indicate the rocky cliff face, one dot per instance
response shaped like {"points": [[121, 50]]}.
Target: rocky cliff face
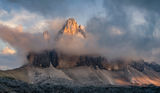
{"points": [[72, 28], [43, 59], [60, 60], [89, 70], [56, 67]]}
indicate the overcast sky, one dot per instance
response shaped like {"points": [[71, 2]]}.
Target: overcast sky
{"points": [[32, 15], [128, 28]]}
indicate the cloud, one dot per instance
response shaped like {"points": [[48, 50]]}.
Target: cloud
{"points": [[8, 50], [152, 6], [24, 20], [81, 10], [75, 45], [53, 8], [2, 12], [24, 42], [129, 29], [21, 40], [47, 7], [56, 24]]}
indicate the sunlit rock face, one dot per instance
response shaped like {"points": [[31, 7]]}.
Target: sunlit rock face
{"points": [[72, 28]]}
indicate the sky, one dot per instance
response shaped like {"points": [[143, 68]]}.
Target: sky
{"points": [[123, 28], [32, 15]]}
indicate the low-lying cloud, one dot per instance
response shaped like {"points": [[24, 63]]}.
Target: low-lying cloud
{"points": [[25, 42]]}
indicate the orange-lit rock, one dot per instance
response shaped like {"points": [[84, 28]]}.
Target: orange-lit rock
{"points": [[72, 28]]}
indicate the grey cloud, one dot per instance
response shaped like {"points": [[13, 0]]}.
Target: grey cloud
{"points": [[22, 41], [53, 8], [25, 42], [131, 40], [151, 5], [116, 31], [44, 7]]}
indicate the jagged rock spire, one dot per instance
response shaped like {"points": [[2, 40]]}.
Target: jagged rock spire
{"points": [[72, 28]]}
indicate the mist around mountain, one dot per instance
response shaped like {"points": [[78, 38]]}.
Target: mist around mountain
{"points": [[73, 68]]}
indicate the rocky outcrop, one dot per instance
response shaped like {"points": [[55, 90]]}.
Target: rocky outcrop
{"points": [[61, 67], [45, 58], [72, 28], [141, 66], [91, 61]]}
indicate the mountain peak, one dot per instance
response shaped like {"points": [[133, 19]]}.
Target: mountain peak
{"points": [[72, 28]]}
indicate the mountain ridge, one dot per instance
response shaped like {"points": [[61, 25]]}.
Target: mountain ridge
{"points": [[56, 67], [86, 75]]}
